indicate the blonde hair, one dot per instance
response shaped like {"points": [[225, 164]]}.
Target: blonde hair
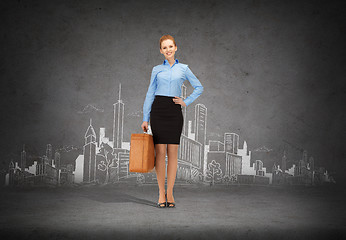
{"points": [[165, 37]]}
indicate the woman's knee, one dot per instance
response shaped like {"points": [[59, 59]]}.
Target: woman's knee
{"points": [[160, 150]]}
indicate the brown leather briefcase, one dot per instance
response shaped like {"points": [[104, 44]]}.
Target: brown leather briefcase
{"points": [[142, 153]]}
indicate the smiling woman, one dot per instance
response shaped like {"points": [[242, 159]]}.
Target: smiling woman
{"points": [[163, 106]]}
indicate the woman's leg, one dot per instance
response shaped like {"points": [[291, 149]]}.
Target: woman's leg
{"points": [[160, 168], [172, 153]]}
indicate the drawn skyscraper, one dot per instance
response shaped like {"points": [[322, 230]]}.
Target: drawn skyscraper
{"points": [[200, 123], [23, 159], [201, 131], [89, 152], [102, 136], [57, 160], [49, 154], [183, 96], [11, 173], [305, 157], [259, 168], [247, 169], [118, 122], [231, 142], [302, 163]]}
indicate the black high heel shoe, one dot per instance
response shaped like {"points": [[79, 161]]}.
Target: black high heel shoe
{"points": [[169, 204], [164, 204]]}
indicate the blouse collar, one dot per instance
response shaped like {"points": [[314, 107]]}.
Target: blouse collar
{"points": [[166, 62]]}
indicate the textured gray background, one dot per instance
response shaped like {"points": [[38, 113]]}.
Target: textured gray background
{"points": [[273, 71]]}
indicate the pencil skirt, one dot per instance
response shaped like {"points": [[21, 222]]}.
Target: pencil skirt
{"points": [[166, 120]]}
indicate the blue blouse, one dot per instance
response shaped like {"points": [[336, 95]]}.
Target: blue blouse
{"points": [[167, 81]]}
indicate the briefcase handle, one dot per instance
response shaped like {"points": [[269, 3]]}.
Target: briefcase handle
{"points": [[147, 132]]}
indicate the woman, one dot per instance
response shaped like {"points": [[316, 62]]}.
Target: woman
{"points": [[162, 106]]}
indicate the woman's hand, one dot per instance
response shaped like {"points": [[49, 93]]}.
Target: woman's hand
{"points": [[145, 126], [179, 100]]}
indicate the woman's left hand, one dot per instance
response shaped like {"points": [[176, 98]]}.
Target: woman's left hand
{"points": [[179, 100]]}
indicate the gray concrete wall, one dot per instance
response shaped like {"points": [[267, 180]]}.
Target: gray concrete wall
{"points": [[273, 71]]}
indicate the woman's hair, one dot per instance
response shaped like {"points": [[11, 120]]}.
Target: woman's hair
{"points": [[165, 37]]}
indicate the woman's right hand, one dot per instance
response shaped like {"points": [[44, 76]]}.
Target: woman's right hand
{"points": [[145, 126]]}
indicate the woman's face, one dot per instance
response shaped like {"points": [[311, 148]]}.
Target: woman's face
{"points": [[168, 49]]}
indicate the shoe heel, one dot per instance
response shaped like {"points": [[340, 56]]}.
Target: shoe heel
{"points": [[164, 203], [168, 204]]}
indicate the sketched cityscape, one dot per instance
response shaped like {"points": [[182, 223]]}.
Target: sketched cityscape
{"points": [[105, 160]]}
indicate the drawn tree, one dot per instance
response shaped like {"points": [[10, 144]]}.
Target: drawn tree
{"points": [[214, 172], [107, 163]]}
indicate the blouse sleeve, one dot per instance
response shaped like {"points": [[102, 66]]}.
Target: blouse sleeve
{"points": [[150, 96], [196, 84]]}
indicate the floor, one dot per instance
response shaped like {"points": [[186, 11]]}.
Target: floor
{"points": [[202, 212]]}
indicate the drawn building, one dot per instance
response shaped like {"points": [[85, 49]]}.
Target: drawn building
{"points": [[46, 174], [11, 179], [89, 152], [259, 168], [49, 154], [230, 163], [57, 161], [201, 130], [189, 158], [216, 146], [255, 174], [40, 173], [246, 160], [303, 174], [23, 159], [66, 174], [118, 122], [231, 142], [279, 174], [123, 163], [233, 164]]}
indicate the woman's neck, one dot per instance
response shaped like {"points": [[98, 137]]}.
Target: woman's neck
{"points": [[170, 61]]}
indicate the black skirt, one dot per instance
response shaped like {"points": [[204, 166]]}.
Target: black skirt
{"points": [[166, 120]]}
